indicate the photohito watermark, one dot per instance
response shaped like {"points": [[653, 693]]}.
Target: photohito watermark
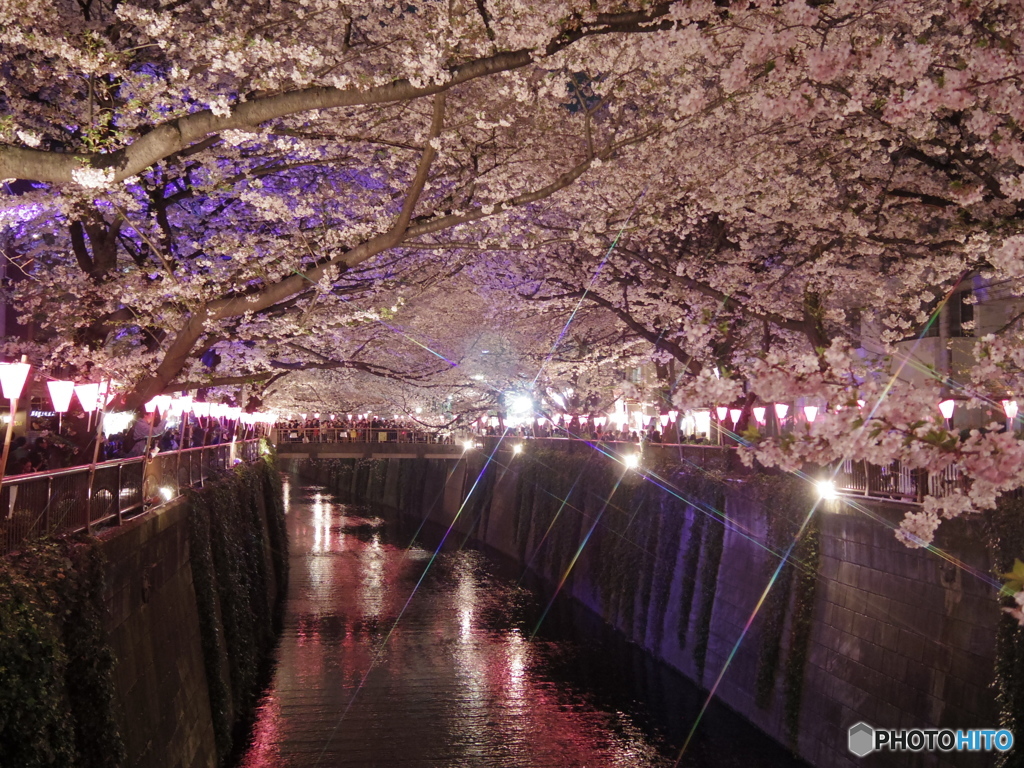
{"points": [[864, 739]]}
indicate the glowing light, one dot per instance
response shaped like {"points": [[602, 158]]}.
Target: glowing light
{"points": [[811, 412], [1010, 409], [826, 490], [167, 493], [517, 448], [673, 415], [759, 413], [734, 414], [632, 460], [61, 393], [664, 420], [116, 422], [722, 412], [781, 409], [88, 396], [860, 405], [12, 378], [467, 445], [946, 408], [419, 410], [520, 405], [702, 422]]}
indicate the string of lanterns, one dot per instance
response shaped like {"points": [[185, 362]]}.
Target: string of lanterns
{"points": [[726, 414]]}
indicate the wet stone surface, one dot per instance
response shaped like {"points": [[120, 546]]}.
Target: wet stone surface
{"points": [[392, 656]]}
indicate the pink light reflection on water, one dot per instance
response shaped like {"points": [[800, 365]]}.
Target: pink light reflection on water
{"points": [[456, 683]]}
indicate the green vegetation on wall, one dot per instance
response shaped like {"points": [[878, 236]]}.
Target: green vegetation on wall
{"points": [[1007, 544], [783, 498], [807, 557], [235, 581], [56, 684]]}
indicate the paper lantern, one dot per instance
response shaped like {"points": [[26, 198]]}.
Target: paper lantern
{"points": [[946, 408], [781, 409], [12, 378], [1010, 409], [722, 412], [759, 412], [88, 396], [61, 393], [811, 412], [734, 415]]}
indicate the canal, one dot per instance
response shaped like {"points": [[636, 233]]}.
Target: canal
{"points": [[394, 656]]}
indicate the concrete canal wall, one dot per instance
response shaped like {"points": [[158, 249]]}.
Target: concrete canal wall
{"points": [[152, 658], [856, 627]]}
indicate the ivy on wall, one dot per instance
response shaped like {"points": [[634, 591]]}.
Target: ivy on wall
{"points": [[56, 682], [1006, 537], [808, 557], [782, 498], [233, 567]]}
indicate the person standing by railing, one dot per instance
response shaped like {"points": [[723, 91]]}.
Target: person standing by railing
{"points": [[142, 433]]}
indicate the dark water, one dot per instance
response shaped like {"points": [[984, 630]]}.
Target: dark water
{"points": [[393, 657]]}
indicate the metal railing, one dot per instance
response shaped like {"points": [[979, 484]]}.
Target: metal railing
{"points": [[80, 498], [896, 482], [893, 482], [355, 435]]}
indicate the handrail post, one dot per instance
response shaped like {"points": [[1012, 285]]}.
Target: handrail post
{"points": [[120, 488], [49, 500]]}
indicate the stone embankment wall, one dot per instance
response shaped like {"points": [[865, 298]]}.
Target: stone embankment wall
{"points": [[855, 627], [152, 658]]}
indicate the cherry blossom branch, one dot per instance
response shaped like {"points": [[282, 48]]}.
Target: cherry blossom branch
{"points": [[177, 135]]}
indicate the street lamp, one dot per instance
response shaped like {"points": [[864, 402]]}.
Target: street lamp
{"points": [[827, 490]]}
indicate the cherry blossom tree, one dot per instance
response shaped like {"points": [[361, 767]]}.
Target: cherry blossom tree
{"points": [[215, 193]]}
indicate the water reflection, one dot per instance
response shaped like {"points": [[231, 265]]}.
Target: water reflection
{"points": [[380, 665]]}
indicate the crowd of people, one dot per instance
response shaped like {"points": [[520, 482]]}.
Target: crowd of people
{"points": [[343, 429], [73, 442], [376, 429]]}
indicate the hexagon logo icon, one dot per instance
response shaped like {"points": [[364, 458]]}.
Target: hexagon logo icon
{"points": [[861, 739]]}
